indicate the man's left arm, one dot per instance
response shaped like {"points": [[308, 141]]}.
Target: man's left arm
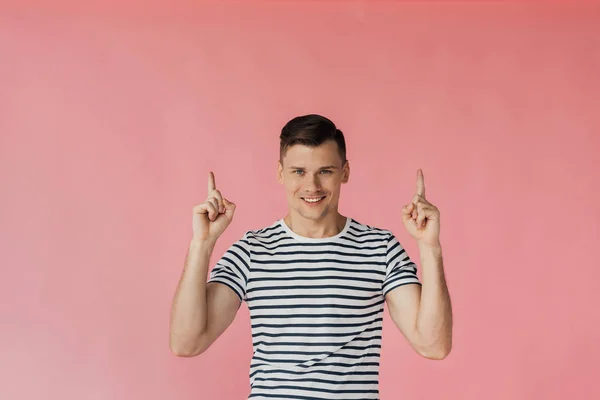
{"points": [[423, 313]]}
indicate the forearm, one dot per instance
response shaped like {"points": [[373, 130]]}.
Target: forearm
{"points": [[189, 309], [434, 318]]}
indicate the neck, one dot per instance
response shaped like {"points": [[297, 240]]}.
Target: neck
{"points": [[327, 226]]}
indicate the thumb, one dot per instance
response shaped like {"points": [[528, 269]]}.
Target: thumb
{"points": [[407, 209], [407, 212], [229, 208]]}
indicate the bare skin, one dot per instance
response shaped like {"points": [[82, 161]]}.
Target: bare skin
{"points": [[201, 312], [312, 179]]}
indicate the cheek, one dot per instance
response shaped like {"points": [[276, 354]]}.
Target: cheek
{"points": [[292, 186], [332, 184]]}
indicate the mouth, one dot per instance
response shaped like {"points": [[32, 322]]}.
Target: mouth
{"points": [[312, 201]]}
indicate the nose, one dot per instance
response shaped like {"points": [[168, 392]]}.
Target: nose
{"points": [[313, 184]]}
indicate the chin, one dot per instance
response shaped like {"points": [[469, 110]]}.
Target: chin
{"points": [[314, 214]]}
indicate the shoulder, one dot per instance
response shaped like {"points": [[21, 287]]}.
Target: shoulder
{"points": [[243, 247], [358, 228], [263, 235]]}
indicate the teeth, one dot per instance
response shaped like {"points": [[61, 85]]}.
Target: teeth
{"points": [[312, 200]]}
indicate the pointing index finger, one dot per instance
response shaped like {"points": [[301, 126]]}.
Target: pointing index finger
{"points": [[211, 182], [420, 183]]}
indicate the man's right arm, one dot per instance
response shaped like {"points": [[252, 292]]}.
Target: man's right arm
{"points": [[201, 311]]}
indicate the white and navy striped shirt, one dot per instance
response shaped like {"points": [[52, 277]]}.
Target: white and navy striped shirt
{"points": [[316, 307]]}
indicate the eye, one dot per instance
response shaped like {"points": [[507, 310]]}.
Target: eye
{"points": [[298, 172], [327, 172]]}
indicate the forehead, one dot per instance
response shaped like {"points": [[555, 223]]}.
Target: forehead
{"points": [[301, 155]]}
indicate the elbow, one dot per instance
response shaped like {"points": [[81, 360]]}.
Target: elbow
{"points": [[183, 352], [435, 351], [438, 353], [182, 349]]}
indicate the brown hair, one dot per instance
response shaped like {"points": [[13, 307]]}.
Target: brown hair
{"points": [[311, 130]]}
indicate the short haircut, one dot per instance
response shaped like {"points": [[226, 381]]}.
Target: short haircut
{"points": [[311, 130]]}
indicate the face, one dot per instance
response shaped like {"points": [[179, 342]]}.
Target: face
{"points": [[312, 177]]}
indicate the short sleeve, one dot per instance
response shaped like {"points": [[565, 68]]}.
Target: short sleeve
{"points": [[400, 269], [233, 268]]}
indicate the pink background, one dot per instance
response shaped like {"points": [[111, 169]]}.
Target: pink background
{"points": [[110, 119]]}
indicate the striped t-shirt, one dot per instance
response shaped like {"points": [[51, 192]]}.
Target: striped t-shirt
{"points": [[316, 307]]}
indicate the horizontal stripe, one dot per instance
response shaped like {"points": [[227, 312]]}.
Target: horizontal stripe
{"points": [[312, 306], [380, 246], [317, 260], [287, 270], [329, 344], [316, 253], [311, 389], [316, 307], [313, 287], [312, 371], [315, 334], [314, 278], [315, 325], [317, 296], [317, 353], [328, 364], [296, 397], [317, 315], [316, 380]]}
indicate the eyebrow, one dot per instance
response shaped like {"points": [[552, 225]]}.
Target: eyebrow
{"points": [[327, 167]]}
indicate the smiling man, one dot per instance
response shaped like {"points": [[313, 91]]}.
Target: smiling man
{"points": [[315, 281]]}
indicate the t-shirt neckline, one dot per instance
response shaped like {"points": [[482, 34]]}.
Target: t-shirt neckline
{"points": [[293, 234]]}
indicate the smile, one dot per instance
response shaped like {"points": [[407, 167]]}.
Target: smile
{"points": [[313, 200]]}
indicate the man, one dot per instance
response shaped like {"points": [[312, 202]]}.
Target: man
{"points": [[315, 281]]}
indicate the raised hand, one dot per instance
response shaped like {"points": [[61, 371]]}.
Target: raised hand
{"points": [[421, 218], [211, 218]]}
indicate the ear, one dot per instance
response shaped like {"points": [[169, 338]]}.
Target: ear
{"points": [[279, 172], [346, 172]]}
